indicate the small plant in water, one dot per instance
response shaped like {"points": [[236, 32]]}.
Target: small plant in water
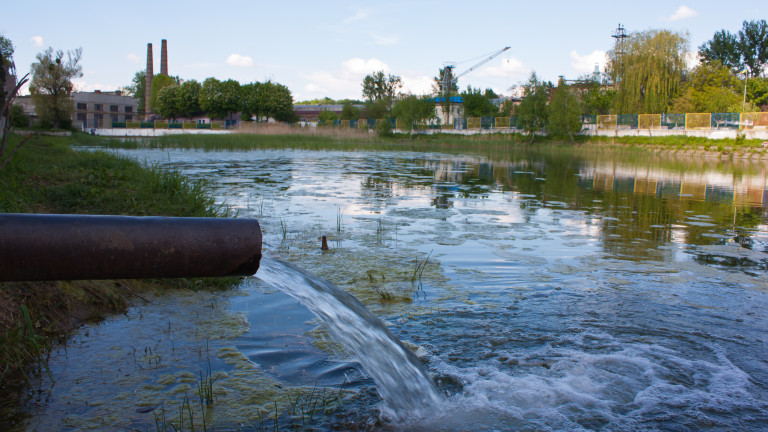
{"points": [[284, 229], [205, 386], [338, 220], [419, 270]]}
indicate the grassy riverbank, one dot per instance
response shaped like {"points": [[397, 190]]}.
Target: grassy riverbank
{"points": [[47, 176], [309, 140]]}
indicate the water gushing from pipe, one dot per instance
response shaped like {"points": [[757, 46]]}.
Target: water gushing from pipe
{"points": [[400, 379]]}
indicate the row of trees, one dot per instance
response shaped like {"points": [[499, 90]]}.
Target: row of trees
{"points": [[650, 75], [172, 98]]}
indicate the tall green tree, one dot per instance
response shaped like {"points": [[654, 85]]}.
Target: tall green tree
{"points": [[6, 72], [51, 85], [757, 93], [10, 114], [413, 110], [532, 112], [648, 70], [159, 82], [168, 101], [596, 98], [349, 111], [189, 94], [710, 87], [379, 87], [250, 96], [477, 104], [211, 98], [277, 102], [230, 94], [748, 49], [564, 117], [6, 51], [722, 48], [753, 40]]}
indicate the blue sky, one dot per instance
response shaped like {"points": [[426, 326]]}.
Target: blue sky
{"points": [[325, 48]]}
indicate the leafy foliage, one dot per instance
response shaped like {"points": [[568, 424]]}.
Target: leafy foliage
{"points": [[710, 87], [51, 85], [327, 117], [375, 110], [379, 87], [746, 50], [349, 111], [648, 72], [159, 82], [532, 111], [723, 48], [412, 110], [167, 104], [137, 88], [277, 102], [477, 104], [18, 118], [564, 119], [218, 99], [6, 52], [757, 92], [596, 98]]}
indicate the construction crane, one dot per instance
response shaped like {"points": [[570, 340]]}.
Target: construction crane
{"points": [[448, 78]]}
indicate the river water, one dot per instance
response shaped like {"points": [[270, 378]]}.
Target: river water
{"points": [[541, 291]]}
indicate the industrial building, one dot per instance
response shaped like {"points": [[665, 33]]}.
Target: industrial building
{"points": [[95, 109]]}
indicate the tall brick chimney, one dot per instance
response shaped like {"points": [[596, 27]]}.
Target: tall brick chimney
{"points": [[148, 83], [164, 57]]}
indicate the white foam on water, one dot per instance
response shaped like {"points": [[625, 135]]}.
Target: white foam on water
{"points": [[629, 386]]}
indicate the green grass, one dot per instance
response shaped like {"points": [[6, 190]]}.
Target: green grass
{"points": [[48, 176]]}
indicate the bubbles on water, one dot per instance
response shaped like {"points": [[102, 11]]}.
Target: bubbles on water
{"points": [[590, 380]]}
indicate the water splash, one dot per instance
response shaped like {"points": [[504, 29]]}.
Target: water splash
{"points": [[400, 379]]}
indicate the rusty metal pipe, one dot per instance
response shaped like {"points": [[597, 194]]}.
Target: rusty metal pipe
{"points": [[35, 247]]}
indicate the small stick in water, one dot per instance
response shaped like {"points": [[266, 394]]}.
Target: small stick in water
{"points": [[325, 244]]}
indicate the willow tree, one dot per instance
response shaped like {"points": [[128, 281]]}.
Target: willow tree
{"points": [[647, 69]]}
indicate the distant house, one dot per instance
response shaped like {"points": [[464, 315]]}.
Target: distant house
{"points": [[311, 113]]}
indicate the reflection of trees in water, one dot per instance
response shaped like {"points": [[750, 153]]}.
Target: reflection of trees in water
{"points": [[377, 192], [442, 200], [633, 216], [744, 264]]}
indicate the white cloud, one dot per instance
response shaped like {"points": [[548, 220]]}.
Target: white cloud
{"points": [[692, 59], [239, 61], [586, 63], [37, 40], [133, 58], [384, 40], [358, 66], [417, 85], [345, 82], [683, 12], [314, 88], [506, 67], [359, 15]]}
